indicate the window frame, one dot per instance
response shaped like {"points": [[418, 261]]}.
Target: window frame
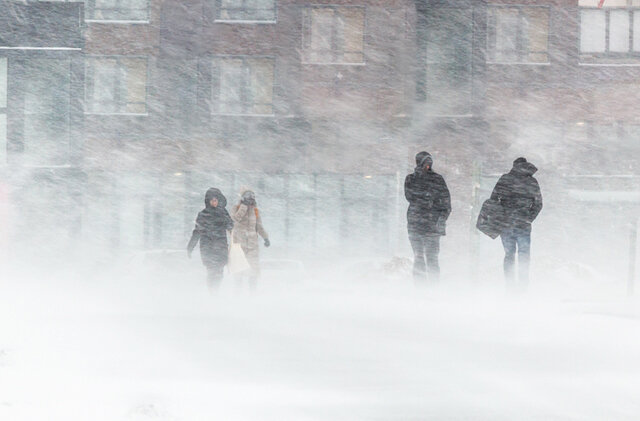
{"points": [[520, 51], [307, 25], [4, 61], [429, 65], [31, 147], [608, 54], [4, 137], [215, 87], [118, 58], [219, 9], [89, 10]]}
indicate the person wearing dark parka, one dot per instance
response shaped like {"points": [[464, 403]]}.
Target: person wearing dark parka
{"points": [[429, 208], [212, 225], [518, 192]]}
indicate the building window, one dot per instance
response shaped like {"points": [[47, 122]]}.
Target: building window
{"points": [[518, 34], [333, 35], [117, 10], [3, 84], [242, 85], [3, 110], [448, 52], [246, 10], [46, 86], [116, 85], [611, 31]]}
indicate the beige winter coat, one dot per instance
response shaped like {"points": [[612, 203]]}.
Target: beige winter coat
{"points": [[248, 224]]}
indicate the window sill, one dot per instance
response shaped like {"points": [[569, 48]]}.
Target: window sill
{"points": [[45, 166], [609, 64], [308, 63], [118, 22], [450, 115], [120, 114], [518, 63], [243, 115], [43, 48], [246, 22]]}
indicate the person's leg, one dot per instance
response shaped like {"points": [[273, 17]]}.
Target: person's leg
{"points": [[419, 266], [238, 281], [253, 257], [524, 250], [433, 250], [509, 244], [214, 278]]}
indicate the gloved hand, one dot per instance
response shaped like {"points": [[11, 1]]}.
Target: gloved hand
{"points": [[267, 243]]}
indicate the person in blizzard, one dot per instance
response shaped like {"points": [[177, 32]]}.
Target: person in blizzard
{"points": [[518, 192], [248, 225], [211, 228], [429, 207]]}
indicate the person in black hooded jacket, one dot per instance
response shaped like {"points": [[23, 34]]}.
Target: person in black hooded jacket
{"points": [[429, 208], [211, 228], [518, 192]]}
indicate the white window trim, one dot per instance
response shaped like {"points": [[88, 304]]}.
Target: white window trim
{"points": [[451, 115], [43, 48], [246, 22], [621, 57], [118, 114], [47, 166], [88, 9], [223, 114], [118, 22], [145, 114], [520, 6], [609, 64], [365, 28], [510, 63], [243, 115], [310, 63]]}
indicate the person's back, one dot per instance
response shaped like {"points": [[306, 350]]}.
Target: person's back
{"points": [[429, 202], [518, 192]]}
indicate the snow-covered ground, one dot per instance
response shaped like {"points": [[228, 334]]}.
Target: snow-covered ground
{"points": [[141, 347]]}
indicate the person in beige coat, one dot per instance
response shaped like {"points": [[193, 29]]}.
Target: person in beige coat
{"points": [[248, 225]]}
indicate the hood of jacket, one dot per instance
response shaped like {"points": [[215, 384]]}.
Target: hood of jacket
{"points": [[524, 169], [244, 190], [423, 159], [215, 193]]}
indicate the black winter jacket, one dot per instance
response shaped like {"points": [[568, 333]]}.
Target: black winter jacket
{"points": [[429, 202], [518, 192], [211, 229]]}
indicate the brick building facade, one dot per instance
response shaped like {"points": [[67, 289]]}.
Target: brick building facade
{"points": [[319, 106]]}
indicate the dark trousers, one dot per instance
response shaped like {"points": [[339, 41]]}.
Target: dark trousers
{"points": [[425, 246], [516, 239], [214, 277]]}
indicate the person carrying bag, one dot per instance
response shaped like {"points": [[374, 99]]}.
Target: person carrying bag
{"points": [[238, 262]]}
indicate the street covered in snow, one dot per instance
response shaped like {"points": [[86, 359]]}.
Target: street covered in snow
{"points": [[276, 210], [105, 348]]}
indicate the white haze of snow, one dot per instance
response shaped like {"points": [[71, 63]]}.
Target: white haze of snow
{"points": [[92, 331], [147, 342]]}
